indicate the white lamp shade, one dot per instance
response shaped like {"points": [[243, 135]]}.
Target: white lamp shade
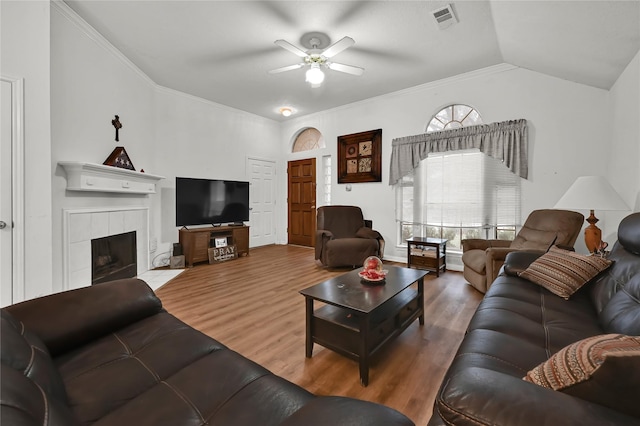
{"points": [[591, 193]]}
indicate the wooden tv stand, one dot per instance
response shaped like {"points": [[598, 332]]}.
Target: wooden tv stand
{"points": [[197, 241]]}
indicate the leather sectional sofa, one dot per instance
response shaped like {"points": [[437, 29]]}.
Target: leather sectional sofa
{"points": [[519, 325], [110, 355]]}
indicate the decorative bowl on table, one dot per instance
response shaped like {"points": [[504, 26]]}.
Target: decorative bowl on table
{"points": [[372, 271]]}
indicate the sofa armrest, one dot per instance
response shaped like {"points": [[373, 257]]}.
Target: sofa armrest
{"points": [[336, 410], [495, 260], [365, 232], [480, 244], [322, 236], [72, 318], [517, 261], [478, 396]]}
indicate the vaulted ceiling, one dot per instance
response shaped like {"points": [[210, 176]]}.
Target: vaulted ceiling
{"points": [[222, 50]]}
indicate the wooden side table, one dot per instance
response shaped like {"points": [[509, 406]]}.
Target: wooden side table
{"points": [[427, 253]]}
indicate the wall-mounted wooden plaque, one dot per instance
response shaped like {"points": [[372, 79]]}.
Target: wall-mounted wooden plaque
{"points": [[360, 157]]}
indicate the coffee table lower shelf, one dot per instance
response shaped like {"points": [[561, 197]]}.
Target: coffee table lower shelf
{"points": [[360, 336]]}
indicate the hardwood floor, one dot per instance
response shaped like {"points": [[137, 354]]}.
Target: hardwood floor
{"points": [[252, 305]]}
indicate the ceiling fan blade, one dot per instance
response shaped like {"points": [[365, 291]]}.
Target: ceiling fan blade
{"points": [[349, 69], [338, 46], [287, 68], [291, 48]]}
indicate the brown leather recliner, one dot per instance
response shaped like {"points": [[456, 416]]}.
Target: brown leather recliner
{"points": [[344, 238], [483, 259]]}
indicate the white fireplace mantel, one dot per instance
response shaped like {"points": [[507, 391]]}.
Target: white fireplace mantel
{"points": [[100, 178]]}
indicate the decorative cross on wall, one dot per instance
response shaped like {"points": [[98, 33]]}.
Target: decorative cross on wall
{"points": [[116, 123]]}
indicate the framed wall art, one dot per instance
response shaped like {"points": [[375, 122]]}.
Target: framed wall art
{"points": [[360, 157]]}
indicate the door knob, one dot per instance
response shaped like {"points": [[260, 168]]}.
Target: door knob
{"points": [[3, 224]]}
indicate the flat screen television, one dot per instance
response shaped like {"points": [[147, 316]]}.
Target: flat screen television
{"points": [[211, 201]]}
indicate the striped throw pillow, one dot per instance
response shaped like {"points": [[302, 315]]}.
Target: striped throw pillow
{"points": [[604, 369], [563, 272]]}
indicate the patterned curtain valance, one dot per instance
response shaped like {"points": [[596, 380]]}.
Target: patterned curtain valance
{"points": [[505, 141]]}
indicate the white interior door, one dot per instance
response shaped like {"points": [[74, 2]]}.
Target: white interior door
{"points": [[6, 215], [262, 196]]}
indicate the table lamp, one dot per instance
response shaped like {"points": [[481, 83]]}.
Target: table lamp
{"points": [[591, 193]]}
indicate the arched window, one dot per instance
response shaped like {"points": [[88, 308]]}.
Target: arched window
{"points": [[454, 117], [308, 139], [458, 194]]}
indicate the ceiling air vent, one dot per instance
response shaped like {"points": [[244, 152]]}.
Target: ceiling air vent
{"points": [[444, 16]]}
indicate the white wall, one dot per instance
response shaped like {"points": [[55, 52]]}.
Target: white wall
{"points": [[165, 132], [25, 28], [564, 133], [623, 142], [90, 84], [201, 139]]}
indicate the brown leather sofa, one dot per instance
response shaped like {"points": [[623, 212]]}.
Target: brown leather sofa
{"points": [[519, 325], [483, 259], [344, 238], [110, 355]]}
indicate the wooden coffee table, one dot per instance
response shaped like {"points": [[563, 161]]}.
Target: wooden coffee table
{"points": [[359, 318]]}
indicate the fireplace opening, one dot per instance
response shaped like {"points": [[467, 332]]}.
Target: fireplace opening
{"points": [[113, 257]]}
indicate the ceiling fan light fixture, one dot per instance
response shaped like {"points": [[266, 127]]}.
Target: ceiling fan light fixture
{"points": [[314, 75]]}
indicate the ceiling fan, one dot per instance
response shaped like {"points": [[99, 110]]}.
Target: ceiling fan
{"points": [[316, 57]]}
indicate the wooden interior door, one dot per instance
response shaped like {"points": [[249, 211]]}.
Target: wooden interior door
{"points": [[301, 202]]}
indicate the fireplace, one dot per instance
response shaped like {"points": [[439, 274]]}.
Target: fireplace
{"points": [[113, 257], [82, 225]]}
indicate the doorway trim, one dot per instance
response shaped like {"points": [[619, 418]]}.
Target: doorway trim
{"points": [[17, 182]]}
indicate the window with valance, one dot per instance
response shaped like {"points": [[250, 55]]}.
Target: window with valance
{"points": [[462, 181]]}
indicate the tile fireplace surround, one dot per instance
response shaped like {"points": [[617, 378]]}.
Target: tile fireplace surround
{"points": [[80, 226]]}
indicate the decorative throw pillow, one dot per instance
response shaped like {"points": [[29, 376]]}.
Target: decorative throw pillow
{"points": [[604, 369], [563, 272]]}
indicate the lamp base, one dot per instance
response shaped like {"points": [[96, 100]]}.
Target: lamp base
{"points": [[592, 234]]}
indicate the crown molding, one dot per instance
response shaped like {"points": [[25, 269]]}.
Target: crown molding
{"points": [[490, 70], [64, 10]]}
